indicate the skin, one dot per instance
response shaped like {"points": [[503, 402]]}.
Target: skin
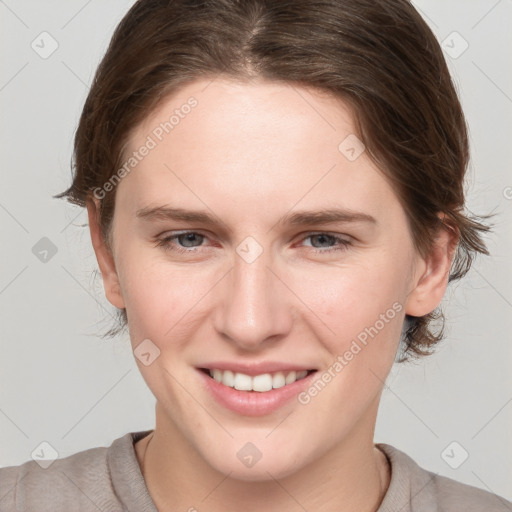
{"points": [[249, 154]]}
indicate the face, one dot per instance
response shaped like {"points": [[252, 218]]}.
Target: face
{"points": [[258, 278]]}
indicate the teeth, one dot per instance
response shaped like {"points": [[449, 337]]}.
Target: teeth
{"points": [[291, 377], [261, 383]]}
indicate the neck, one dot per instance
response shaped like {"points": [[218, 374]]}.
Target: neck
{"points": [[353, 476]]}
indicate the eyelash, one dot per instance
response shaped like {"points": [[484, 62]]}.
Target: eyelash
{"points": [[165, 242]]}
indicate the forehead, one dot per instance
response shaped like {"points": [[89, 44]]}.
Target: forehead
{"points": [[257, 141], [268, 111]]}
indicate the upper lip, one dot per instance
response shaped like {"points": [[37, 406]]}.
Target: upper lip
{"points": [[253, 369]]}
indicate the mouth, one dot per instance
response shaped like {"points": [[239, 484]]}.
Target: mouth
{"points": [[257, 383]]}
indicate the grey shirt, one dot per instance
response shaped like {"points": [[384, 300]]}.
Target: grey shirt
{"points": [[109, 479]]}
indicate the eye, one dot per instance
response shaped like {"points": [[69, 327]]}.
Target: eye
{"points": [[188, 238], [190, 241], [326, 238]]}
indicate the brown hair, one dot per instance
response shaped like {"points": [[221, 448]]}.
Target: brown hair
{"points": [[379, 56]]}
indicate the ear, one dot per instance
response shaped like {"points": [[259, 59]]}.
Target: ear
{"points": [[104, 256], [432, 273]]}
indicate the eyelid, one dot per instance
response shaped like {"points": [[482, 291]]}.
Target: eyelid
{"points": [[299, 236], [306, 234]]}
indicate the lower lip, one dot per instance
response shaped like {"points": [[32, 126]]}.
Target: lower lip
{"points": [[254, 403]]}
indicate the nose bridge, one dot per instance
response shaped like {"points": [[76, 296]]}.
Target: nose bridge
{"points": [[254, 305]]}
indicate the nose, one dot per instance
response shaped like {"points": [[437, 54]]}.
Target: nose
{"points": [[255, 307]]}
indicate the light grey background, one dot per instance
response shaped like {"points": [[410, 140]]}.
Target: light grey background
{"points": [[61, 383]]}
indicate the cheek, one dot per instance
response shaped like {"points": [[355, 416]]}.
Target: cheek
{"points": [[361, 311], [346, 300], [160, 298]]}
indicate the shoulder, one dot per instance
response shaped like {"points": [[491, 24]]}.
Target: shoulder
{"points": [[81, 481], [413, 488]]}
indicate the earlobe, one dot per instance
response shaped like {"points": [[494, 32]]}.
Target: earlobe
{"points": [[432, 279], [104, 256]]}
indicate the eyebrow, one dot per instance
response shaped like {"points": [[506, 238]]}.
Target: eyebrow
{"points": [[304, 217]]}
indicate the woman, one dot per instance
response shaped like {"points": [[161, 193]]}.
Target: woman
{"points": [[275, 200]]}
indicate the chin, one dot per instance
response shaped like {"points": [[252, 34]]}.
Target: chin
{"points": [[261, 468], [260, 472]]}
